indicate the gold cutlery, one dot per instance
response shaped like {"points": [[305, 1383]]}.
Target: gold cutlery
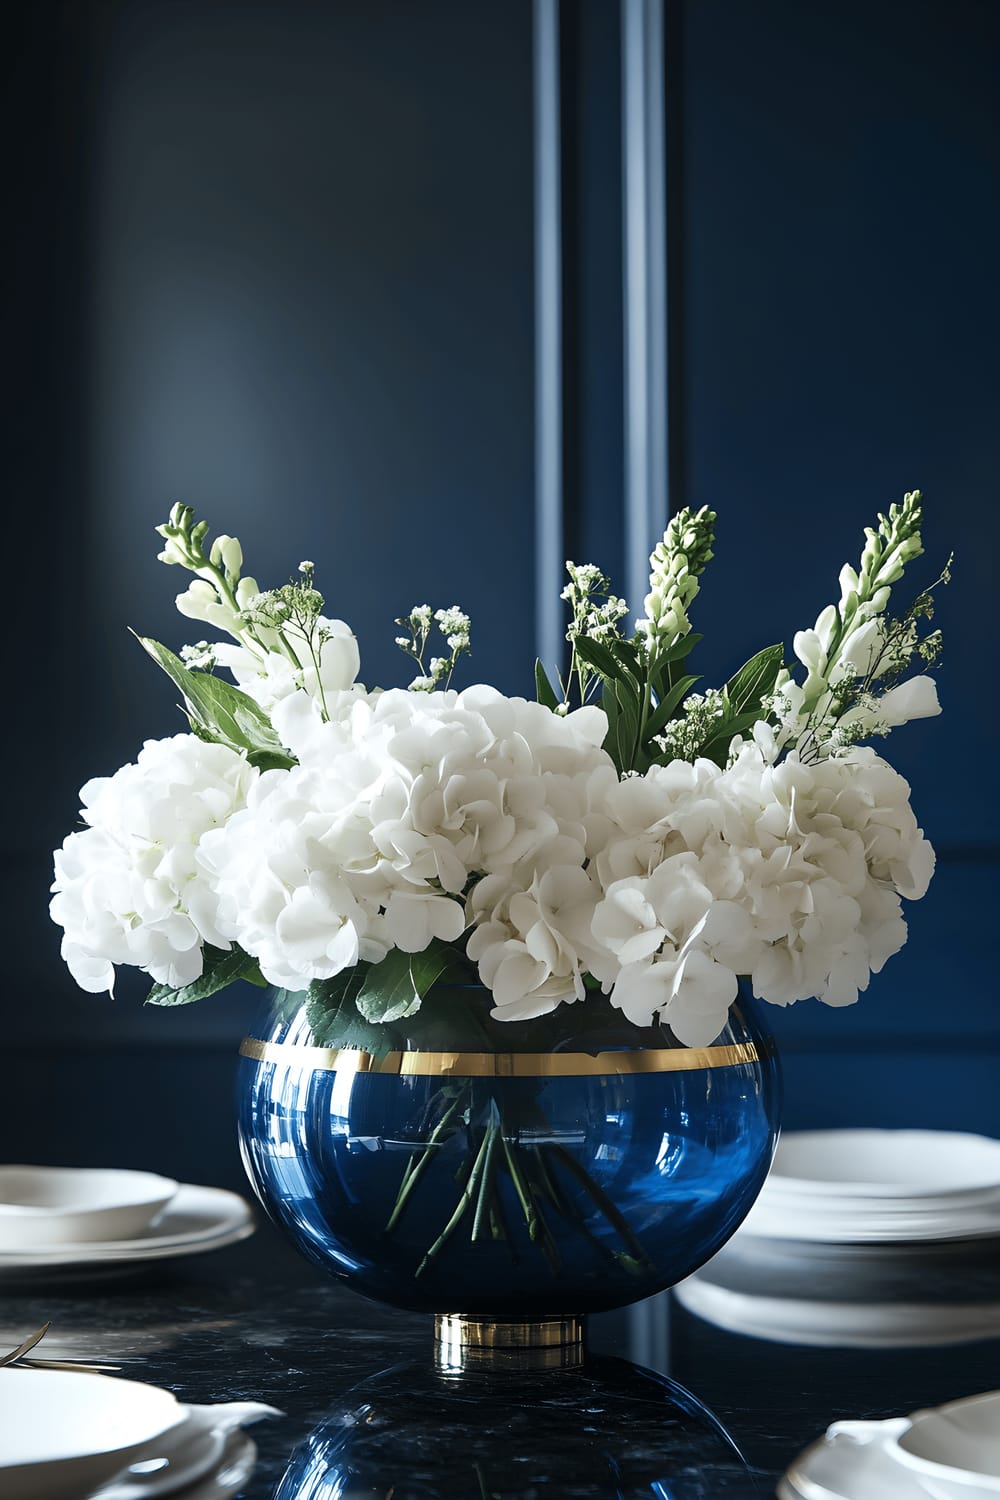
{"points": [[19, 1356]]}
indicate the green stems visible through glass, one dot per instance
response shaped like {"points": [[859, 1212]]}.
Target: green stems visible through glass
{"points": [[541, 1178]]}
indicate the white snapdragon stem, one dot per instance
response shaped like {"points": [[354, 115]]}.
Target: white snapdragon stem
{"points": [[675, 565], [218, 595], [846, 640]]}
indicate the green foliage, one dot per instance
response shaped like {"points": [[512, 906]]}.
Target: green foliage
{"points": [[220, 969], [754, 682], [222, 713], [639, 696], [544, 691], [363, 1006], [394, 989]]}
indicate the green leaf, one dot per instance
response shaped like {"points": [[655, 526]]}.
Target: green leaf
{"points": [[667, 706], [621, 704], [597, 655], [754, 681], [679, 650], [220, 968], [333, 1016], [627, 653], [222, 712], [663, 667], [544, 690], [395, 988]]}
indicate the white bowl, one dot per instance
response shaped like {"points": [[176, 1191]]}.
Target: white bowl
{"points": [[955, 1449], [63, 1434], [45, 1206]]}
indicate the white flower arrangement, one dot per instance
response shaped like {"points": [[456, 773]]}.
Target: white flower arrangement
{"points": [[360, 844]]}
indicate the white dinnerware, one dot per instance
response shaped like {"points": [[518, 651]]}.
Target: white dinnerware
{"points": [[197, 1219], [955, 1449], [849, 1462], [208, 1446], [879, 1187], [62, 1434], [839, 1324], [49, 1207], [945, 1164], [950, 1452]]}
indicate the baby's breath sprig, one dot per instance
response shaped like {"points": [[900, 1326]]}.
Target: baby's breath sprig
{"points": [[596, 615], [293, 613], [702, 715], [453, 624]]}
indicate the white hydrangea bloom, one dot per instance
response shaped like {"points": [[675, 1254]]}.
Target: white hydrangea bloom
{"points": [[128, 889], [414, 817], [790, 873], [402, 803], [533, 940], [281, 870]]}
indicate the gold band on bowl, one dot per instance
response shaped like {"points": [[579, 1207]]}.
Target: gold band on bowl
{"points": [[505, 1064]]}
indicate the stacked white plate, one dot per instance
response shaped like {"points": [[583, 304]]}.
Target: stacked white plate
{"points": [[67, 1220], [880, 1187], [949, 1453], [65, 1435], [864, 1238]]}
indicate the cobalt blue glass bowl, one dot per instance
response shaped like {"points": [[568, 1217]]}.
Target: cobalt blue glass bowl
{"points": [[509, 1184]]}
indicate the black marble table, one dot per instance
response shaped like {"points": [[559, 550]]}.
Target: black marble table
{"points": [[367, 1415]]}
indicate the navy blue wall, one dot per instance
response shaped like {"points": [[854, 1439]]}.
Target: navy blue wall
{"points": [[840, 234], [306, 309], [276, 261]]}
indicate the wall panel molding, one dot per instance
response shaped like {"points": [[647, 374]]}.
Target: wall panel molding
{"points": [[549, 548], [647, 501]]}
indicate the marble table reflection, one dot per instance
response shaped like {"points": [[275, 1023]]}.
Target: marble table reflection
{"points": [[711, 1414]]}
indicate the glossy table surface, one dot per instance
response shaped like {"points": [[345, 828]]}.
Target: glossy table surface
{"points": [[367, 1415]]}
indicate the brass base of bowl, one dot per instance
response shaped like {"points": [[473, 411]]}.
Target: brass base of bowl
{"points": [[467, 1343]]}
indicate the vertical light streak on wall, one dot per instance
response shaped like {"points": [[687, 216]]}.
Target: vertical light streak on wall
{"points": [[649, 1333], [549, 555], [645, 261]]}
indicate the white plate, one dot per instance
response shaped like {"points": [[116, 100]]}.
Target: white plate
{"points": [[52, 1206], [883, 1164], [63, 1433], [840, 1325], [169, 1463], [228, 1478], [196, 1219], [880, 1187], [201, 1446], [766, 1222]]}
